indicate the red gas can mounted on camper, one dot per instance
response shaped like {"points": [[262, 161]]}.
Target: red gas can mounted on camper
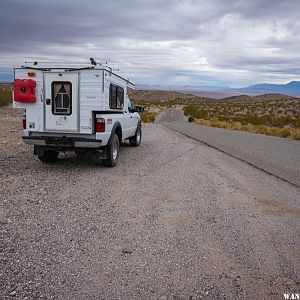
{"points": [[24, 90]]}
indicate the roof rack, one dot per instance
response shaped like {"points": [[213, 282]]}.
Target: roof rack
{"points": [[48, 65]]}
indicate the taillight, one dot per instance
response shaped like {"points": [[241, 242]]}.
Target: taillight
{"points": [[100, 125], [24, 120]]}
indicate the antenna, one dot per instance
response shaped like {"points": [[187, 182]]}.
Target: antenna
{"points": [[93, 61], [107, 66]]}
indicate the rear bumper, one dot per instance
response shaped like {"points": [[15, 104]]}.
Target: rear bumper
{"points": [[63, 143]]}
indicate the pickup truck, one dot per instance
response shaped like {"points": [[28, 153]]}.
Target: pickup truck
{"points": [[77, 108]]}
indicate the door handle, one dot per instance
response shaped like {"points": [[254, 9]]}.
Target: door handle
{"points": [[48, 101]]}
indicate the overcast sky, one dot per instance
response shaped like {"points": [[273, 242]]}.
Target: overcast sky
{"points": [[212, 42]]}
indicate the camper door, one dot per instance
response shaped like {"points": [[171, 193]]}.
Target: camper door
{"points": [[61, 102]]}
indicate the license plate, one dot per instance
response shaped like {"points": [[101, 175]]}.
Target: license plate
{"points": [[66, 142]]}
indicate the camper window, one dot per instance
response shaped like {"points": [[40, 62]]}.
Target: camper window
{"points": [[116, 97], [61, 98]]}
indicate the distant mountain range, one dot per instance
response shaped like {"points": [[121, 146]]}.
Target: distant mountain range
{"points": [[291, 89]]}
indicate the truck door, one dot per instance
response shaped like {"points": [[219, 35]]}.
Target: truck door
{"points": [[61, 102], [133, 119]]}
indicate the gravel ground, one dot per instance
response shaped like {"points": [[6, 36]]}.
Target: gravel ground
{"points": [[175, 219]]}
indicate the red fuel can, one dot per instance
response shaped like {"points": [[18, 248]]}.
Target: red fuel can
{"points": [[24, 90]]}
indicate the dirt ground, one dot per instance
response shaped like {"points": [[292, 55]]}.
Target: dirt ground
{"points": [[174, 220]]}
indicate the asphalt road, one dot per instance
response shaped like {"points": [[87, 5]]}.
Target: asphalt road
{"points": [[171, 115], [277, 156], [175, 219]]}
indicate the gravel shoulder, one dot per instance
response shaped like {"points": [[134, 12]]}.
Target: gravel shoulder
{"points": [[175, 219]]}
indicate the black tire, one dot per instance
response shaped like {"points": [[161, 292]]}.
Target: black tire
{"points": [[48, 156], [112, 152], [136, 140], [80, 154]]}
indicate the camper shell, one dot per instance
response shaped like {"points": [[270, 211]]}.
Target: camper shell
{"points": [[75, 107]]}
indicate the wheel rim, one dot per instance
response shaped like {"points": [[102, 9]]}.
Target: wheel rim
{"points": [[115, 150]]}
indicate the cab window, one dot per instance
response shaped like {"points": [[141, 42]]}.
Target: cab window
{"points": [[116, 97]]}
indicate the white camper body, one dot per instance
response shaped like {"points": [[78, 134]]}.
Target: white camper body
{"points": [[75, 108]]}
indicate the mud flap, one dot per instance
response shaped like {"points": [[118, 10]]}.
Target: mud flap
{"points": [[103, 153], [38, 150]]}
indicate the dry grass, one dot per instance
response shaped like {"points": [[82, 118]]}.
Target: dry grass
{"points": [[148, 117], [267, 122], [5, 94], [271, 114], [293, 133]]}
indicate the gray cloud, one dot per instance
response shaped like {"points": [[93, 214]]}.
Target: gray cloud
{"points": [[188, 42]]}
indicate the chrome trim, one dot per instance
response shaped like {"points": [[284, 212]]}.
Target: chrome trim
{"points": [[87, 144], [34, 142], [77, 144]]}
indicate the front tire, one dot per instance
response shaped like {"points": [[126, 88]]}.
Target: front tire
{"points": [[48, 156], [112, 152], [136, 140]]}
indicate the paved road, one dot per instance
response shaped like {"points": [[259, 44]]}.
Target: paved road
{"points": [[175, 219], [171, 115], [278, 156]]}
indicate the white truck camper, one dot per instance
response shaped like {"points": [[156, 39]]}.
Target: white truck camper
{"points": [[75, 107]]}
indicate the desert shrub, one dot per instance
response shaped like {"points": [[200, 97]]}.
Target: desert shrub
{"points": [[191, 110], [236, 126], [296, 134], [5, 96], [261, 129], [262, 114], [285, 132], [220, 124], [202, 122], [148, 117]]}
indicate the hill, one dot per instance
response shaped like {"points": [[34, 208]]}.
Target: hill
{"points": [[272, 114], [292, 88], [229, 108]]}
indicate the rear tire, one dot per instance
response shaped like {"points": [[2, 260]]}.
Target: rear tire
{"points": [[80, 154], [112, 152], [136, 140], [48, 156]]}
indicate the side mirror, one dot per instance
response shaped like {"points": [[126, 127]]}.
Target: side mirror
{"points": [[138, 109]]}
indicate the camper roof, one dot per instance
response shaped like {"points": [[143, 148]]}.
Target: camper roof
{"points": [[73, 66]]}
